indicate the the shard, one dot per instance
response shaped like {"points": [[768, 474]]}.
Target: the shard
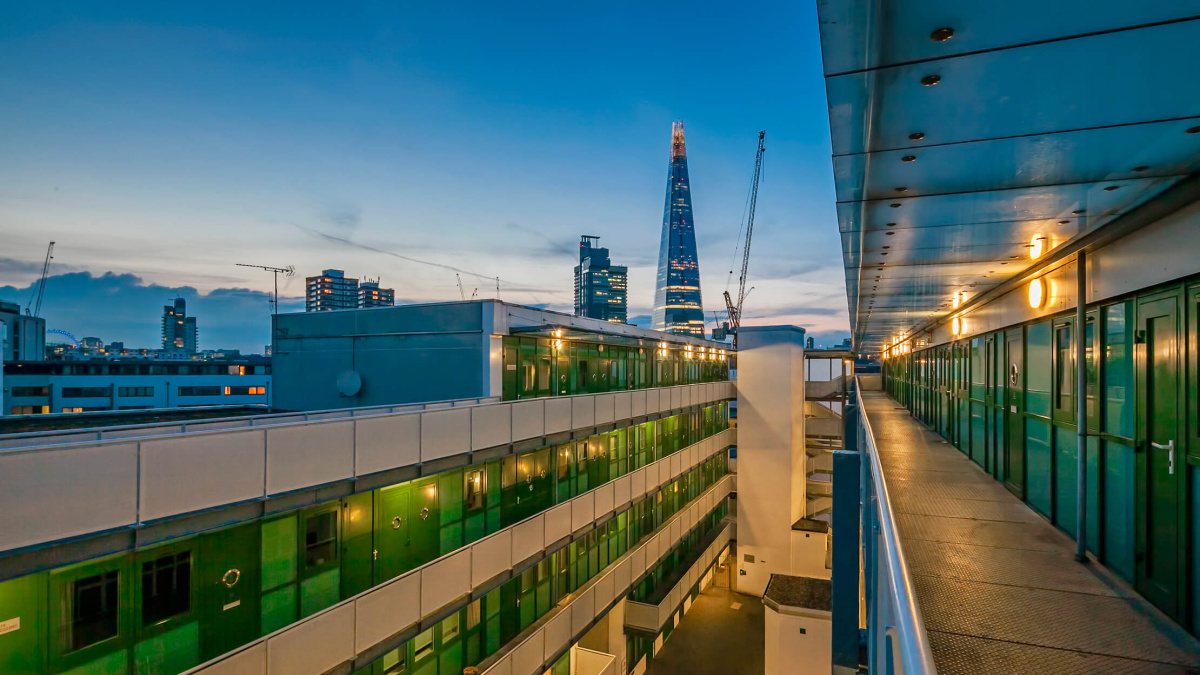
{"points": [[677, 305]]}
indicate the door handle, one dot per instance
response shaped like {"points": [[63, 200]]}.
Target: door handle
{"points": [[1170, 448]]}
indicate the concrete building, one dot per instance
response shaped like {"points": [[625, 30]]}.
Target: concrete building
{"points": [[330, 290], [26, 334], [600, 286], [512, 536], [179, 331], [36, 388], [371, 295]]}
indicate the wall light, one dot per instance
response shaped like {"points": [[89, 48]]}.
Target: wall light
{"points": [[557, 345], [1037, 247], [1037, 293], [956, 326]]}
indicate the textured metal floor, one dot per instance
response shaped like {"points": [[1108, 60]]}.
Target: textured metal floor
{"points": [[998, 585]]}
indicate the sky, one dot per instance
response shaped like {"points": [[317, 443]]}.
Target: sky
{"points": [[159, 144]]}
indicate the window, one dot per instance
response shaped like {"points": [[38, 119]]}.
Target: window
{"points": [[320, 539], [200, 391], [30, 409], [450, 628], [31, 391], [132, 392], [423, 645], [166, 587], [85, 392], [245, 391], [94, 609], [474, 489], [1064, 368], [473, 614]]}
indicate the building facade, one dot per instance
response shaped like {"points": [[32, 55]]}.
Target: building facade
{"points": [[330, 291], [26, 335], [600, 286], [179, 331], [677, 304], [371, 295]]}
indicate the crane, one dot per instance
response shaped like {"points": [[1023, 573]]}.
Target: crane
{"points": [[285, 271], [735, 310], [41, 285], [461, 293]]}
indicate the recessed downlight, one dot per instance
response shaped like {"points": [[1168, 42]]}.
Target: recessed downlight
{"points": [[1079, 212], [1139, 169], [916, 136], [941, 34], [1110, 188], [908, 158], [930, 80], [895, 205]]}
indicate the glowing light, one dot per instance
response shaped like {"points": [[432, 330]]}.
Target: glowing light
{"points": [[558, 345], [956, 326], [1037, 293], [1037, 247]]}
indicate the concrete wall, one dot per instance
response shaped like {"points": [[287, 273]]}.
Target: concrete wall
{"points": [[789, 651], [771, 459], [808, 554]]}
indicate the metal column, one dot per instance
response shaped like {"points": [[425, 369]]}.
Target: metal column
{"points": [[845, 532], [1081, 405]]}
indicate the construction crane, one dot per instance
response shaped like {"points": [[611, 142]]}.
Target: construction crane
{"points": [[41, 286], [288, 271], [461, 293], [735, 310]]}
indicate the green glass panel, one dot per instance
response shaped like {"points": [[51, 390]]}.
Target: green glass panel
{"points": [[278, 552], [1066, 472], [1038, 374], [320, 591], [1120, 477], [23, 599], [171, 652], [1119, 408], [278, 609], [1038, 465], [114, 663]]}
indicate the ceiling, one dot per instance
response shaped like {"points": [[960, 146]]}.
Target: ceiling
{"points": [[953, 150]]}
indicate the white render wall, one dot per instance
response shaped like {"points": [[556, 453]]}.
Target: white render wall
{"points": [[789, 651], [771, 458]]}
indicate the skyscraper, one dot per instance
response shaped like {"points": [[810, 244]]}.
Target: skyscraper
{"points": [[599, 285], [677, 305], [179, 332], [330, 290]]}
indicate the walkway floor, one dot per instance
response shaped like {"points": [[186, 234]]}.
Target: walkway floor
{"points": [[715, 638], [997, 584]]}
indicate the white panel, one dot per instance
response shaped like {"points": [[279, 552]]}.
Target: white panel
{"points": [[445, 581], [501, 667], [491, 556], [305, 455], [675, 532], [314, 645], [527, 657], [623, 405], [652, 400], [583, 610], [676, 464], [386, 442], [676, 398], [621, 491], [528, 538], [250, 661], [637, 482], [558, 633], [604, 499], [694, 455], [583, 510], [652, 477], [445, 433], [188, 473], [605, 405], [638, 400], [652, 552], [387, 610], [583, 411], [623, 576], [558, 415], [604, 590], [558, 522], [638, 559], [54, 494], [528, 419], [491, 425]]}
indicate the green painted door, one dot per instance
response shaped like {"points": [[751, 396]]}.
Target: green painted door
{"points": [[424, 523], [357, 544], [1014, 389], [22, 625], [1160, 464], [392, 542], [227, 581]]}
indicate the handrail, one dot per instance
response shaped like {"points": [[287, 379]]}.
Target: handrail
{"points": [[908, 638]]}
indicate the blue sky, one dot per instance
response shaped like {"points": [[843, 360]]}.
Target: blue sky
{"points": [[164, 143]]}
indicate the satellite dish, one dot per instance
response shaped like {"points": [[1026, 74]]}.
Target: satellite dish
{"points": [[349, 383]]}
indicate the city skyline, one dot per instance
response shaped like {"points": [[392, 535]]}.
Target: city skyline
{"points": [[350, 141]]}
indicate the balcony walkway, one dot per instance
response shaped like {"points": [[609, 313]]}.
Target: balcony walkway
{"points": [[997, 584]]}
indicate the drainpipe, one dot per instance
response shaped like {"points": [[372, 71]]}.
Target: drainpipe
{"points": [[1081, 404]]}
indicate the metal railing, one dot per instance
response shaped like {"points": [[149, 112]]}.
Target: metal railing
{"points": [[895, 635]]}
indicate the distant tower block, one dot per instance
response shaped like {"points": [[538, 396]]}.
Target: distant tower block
{"points": [[677, 305]]}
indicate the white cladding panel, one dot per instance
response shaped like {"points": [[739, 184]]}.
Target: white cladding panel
{"points": [[309, 454], [386, 442], [185, 473], [445, 581], [314, 645], [583, 411], [558, 415], [491, 425], [491, 556], [387, 610], [445, 433], [528, 419]]}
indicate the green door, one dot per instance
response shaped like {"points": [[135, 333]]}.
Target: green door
{"points": [[1160, 463], [1014, 389], [357, 544], [424, 523], [228, 589], [391, 542]]}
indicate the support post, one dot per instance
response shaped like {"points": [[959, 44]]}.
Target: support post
{"points": [[845, 543], [1081, 405]]}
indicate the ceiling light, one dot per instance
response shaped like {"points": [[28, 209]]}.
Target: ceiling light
{"points": [[916, 136], [941, 34], [1079, 212], [908, 158], [1110, 188], [1193, 130], [1064, 222], [1037, 247], [889, 233], [901, 189], [1139, 169], [930, 80], [1037, 293], [895, 205]]}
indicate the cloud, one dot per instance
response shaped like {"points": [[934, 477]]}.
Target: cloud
{"points": [[124, 308], [346, 217]]}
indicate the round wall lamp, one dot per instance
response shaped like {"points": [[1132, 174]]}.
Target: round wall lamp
{"points": [[1037, 293], [956, 326], [1037, 247]]}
